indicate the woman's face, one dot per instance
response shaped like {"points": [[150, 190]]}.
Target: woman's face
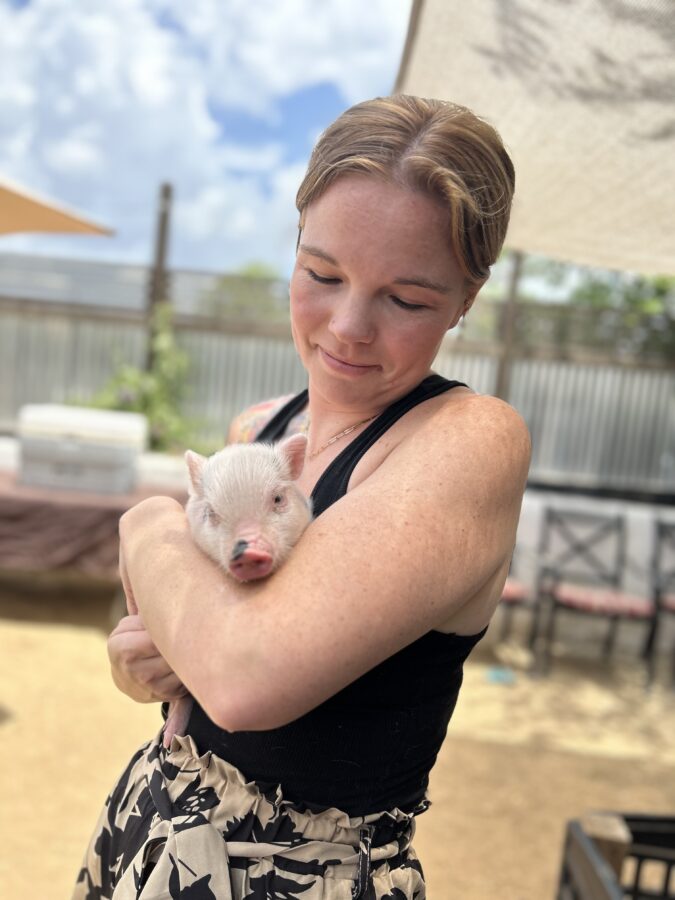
{"points": [[374, 289]]}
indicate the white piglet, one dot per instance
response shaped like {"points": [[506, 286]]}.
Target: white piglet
{"points": [[246, 513]]}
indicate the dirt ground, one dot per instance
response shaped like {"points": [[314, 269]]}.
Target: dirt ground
{"points": [[522, 756]]}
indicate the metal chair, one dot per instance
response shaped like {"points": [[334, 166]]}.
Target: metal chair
{"points": [[516, 595], [628, 857], [583, 556], [663, 591]]}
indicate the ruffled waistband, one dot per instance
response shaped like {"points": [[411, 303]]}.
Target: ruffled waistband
{"points": [[267, 805]]}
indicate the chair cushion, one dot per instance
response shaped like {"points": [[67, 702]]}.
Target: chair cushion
{"points": [[515, 592], [603, 600]]}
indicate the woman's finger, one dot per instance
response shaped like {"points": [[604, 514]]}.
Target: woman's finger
{"points": [[138, 668], [170, 687]]}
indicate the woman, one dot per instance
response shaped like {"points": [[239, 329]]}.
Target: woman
{"points": [[323, 693]]}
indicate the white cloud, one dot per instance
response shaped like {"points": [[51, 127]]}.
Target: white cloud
{"points": [[74, 155], [100, 103], [279, 47]]}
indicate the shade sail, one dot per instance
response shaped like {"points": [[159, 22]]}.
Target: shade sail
{"points": [[21, 210], [583, 93]]}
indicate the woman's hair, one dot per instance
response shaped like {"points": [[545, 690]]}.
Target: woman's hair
{"points": [[433, 146]]}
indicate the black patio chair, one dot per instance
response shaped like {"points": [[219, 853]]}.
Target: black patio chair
{"points": [[582, 561], [637, 866], [663, 588], [516, 595]]}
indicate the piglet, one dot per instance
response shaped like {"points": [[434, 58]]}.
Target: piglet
{"points": [[245, 513]]}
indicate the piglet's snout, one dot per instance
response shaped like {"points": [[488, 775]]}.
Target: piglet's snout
{"points": [[251, 559]]}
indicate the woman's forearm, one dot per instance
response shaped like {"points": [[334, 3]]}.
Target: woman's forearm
{"points": [[164, 566]]}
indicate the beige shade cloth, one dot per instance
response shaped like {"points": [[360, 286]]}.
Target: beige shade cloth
{"points": [[583, 94], [21, 210]]}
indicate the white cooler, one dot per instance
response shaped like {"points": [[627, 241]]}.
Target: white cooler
{"points": [[76, 448]]}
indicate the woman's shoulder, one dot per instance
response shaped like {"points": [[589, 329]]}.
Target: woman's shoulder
{"points": [[462, 432], [466, 416], [481, 411], [455, 432], [477, 426], [250, 422]]}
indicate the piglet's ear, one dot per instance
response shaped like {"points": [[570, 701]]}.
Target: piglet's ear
{"points": [[195, 464], [293, 450]]}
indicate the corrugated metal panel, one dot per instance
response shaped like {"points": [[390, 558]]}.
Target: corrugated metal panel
{"points": [[591, 425]]}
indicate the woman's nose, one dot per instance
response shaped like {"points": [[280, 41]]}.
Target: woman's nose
{"points": [[351, 321]]}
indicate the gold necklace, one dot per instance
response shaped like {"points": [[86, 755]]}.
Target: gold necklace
{"points": [[340, 434]]}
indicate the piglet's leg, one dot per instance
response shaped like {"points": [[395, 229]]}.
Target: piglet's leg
{"points": [[177, 719]]}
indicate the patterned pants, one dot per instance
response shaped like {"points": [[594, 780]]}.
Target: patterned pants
{"points": [[178, 826]]}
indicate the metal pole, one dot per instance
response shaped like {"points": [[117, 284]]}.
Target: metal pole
{"points": [[508, 322], [158, 283]]}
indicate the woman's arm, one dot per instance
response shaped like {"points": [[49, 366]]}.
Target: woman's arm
{"points": [[138, 668], [430, 531]]}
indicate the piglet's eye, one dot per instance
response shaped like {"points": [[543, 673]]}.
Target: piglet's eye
{"points": [[280, 501]]}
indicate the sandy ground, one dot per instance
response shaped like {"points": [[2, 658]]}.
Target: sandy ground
{"points": [[522, 757]]}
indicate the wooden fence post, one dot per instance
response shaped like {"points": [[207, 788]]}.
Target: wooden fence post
{"points": [[158, 283], [508, 322]]}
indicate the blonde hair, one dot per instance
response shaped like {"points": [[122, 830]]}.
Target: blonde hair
{"points": [[437, 147]]}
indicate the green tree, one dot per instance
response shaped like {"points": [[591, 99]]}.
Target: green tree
{"points": [[622, 312], [156, 393], [258, 268], [651, 296], [255, 292]]}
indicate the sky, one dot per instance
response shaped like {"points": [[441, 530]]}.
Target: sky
{"points": [[100, 102]]}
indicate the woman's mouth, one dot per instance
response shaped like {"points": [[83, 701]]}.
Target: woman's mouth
{"points": [[341, 365]]}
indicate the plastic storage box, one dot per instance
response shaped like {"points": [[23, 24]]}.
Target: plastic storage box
{"points": [[646, 869], [81, 449]]}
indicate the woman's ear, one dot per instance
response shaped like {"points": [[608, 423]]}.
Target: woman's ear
{"points": [[471, 291]]}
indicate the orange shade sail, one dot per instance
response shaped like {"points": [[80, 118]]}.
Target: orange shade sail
{"points": [[24, 211]]}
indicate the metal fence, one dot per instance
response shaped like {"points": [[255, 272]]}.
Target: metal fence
{"points": [[596, 424]]}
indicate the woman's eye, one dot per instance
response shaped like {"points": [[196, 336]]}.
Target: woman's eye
{"points": [[320, 278], [404, 305]]}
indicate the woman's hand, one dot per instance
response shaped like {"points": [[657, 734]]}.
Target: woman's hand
{"points": [[138, 668]]}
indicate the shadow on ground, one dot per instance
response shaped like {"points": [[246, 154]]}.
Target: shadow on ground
{"points": [[59, 600]]}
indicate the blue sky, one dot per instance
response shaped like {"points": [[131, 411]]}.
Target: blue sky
{"points": [[100, 102]]}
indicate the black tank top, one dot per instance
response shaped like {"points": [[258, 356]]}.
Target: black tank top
{"points": [[371, 746]]}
